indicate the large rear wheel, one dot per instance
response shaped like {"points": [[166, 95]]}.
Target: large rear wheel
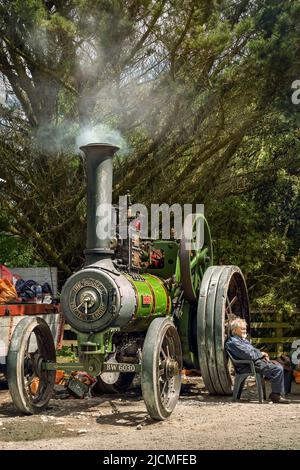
{"points": [[223, 297]]}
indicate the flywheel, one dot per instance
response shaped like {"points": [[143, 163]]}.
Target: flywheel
{"points": [[195, 255]]}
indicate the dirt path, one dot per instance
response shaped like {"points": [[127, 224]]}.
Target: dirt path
{"points": [[109, 422]]}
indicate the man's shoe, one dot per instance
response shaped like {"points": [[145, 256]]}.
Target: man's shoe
{"points": [[277, 398]]}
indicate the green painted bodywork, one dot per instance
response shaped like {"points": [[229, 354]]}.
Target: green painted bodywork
{"points": [[160, 302], [186, 326], [138, 325], [93, 349], [151, 289]]}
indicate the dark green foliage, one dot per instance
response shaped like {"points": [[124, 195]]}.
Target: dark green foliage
{"points": [[200, 91]]}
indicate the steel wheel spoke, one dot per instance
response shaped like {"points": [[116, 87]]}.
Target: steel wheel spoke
{"points": [[230, 304], [163, 353], [163, 388]]}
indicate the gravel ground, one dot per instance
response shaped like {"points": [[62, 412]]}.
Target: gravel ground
{"points": [[199, 421]]}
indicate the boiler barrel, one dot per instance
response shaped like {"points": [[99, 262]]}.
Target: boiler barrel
{"points": [[152, 300]]}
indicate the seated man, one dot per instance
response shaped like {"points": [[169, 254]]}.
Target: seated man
{"points": [[241, 349]]}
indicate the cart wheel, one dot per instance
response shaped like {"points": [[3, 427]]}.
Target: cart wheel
{"points": [[161, 367], [30, 386]]}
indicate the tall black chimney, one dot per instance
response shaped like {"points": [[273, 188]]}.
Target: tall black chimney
{"points": [[99, 199]]}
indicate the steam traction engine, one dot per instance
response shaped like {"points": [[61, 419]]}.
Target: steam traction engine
{"points": [[137, 306]]}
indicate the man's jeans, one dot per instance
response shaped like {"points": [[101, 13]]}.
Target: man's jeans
{"points": [[273, 372]]}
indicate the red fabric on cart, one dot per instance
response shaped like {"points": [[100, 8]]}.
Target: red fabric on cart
{"points": [[5, 273]]}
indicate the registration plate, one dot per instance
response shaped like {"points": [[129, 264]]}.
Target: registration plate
{"points": [[120, 367]]}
